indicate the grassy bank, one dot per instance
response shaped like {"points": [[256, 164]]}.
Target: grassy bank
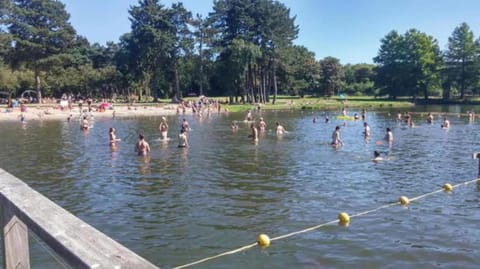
{"points": [[320, 103], [286, 103]]}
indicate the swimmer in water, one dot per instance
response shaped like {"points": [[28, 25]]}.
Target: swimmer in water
{"points": [[249, 116], [280, 129], [163, 128], [364, 114], [183, 139], [254, 134], [185, 125], [446, 123], [366, 131], [471, 116], [142, 147], [84, 126], [113, 138], [262, 125], [376, 156], [430, 118], [336, 140], [389, 136], [234, 126]]}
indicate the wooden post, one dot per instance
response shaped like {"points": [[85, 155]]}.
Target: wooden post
{"points": [[77, 243], [15, 241]]}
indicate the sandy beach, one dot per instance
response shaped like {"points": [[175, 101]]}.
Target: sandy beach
{"points": [[36, 112]]}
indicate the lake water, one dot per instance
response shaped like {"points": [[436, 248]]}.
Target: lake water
{"points": [[181, 205]]}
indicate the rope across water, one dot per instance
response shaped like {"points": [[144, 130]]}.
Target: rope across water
{"points": [[403, 200]]}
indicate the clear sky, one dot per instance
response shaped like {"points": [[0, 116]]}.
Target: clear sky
{"points": [[349, 30]]}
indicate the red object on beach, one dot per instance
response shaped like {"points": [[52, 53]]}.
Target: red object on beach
{"points": [[104, 105]]}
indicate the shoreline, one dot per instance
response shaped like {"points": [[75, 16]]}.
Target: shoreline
{"points": [[36, 112]]}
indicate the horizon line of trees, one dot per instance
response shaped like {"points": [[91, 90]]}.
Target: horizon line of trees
{"points": [[243, 49]]}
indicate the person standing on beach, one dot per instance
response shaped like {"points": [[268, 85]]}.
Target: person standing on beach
{"points": [[80, 104], [142, 147], [163, 128], [89, 103]]}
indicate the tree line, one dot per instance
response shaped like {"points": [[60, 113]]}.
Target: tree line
{"points": [[243, 50]]}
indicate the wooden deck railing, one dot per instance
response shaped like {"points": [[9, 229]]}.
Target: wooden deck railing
{"points": [[77, 243]]}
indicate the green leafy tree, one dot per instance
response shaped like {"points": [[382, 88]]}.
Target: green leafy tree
{"points": [[203, 34], [148, 46], [180, 22], [391, 68], [41, 34], [264, 23], [331, 76], [460, 59], [298, 70], [423, 59], [408, 65], [359, 79]]}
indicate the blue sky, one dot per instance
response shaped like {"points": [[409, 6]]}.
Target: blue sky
{"points": [[349, 30]]}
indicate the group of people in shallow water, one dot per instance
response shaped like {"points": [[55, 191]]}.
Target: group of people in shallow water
{"points": [[406, 117], [143, 148], [260, 128]]}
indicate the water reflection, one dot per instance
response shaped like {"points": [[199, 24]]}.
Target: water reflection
{"points": [[144, 164], [183, 153], [186, 203]]}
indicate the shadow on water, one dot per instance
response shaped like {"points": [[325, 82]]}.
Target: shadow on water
{"points": [[179, 205]]}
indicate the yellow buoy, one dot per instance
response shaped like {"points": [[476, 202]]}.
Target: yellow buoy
{"points": [[263, 240], [343, 218], [404, 200], [447, 187]]}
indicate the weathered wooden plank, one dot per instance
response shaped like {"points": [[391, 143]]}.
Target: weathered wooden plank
{"points": [[15, 242], [79, 244]]}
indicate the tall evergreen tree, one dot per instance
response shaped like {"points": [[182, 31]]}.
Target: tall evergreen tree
{"points": [[149, 45], [41, 33], [391, 67], [460, 58], [263, 23], [180, 21]]}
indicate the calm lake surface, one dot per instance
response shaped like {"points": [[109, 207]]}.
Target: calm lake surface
{"points": [[181, 205]]}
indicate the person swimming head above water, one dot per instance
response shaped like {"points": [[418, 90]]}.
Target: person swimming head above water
{"points": [[376, 156]]}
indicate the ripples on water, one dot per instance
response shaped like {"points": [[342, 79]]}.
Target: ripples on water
{"points": [[180, 205]]}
